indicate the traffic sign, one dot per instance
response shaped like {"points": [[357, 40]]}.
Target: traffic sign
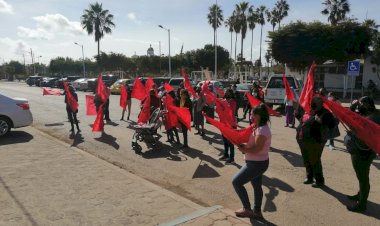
{"points": [[353, 68]]}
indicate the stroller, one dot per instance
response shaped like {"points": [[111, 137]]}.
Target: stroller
{"points": [[148, 132]]}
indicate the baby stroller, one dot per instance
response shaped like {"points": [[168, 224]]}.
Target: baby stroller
{"points": [[148, 132]]}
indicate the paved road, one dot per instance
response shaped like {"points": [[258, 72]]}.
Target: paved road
{"points": [[198, 175]]}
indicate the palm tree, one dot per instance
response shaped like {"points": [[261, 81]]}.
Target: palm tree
{"points": [[336, 10], [241, 10], [237, 28], [252, 20], [229, 23], [215, 18], [98, 21], [272, 17], [261, 20], [282, 8]]}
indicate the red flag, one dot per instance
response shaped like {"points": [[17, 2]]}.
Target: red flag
{"points": [[171, 117], [168, 88], [225, 113], [149, 84], [236, 137], [73, 104], [50, 91], [289, 92], [101, 90], [187, 84], [210, 96], [183, 115], [365, 129], [123, 97], [308, 91], [256, 102], [138, 91], [90, 105], [145, 112], [98, 125], [220, 92]]}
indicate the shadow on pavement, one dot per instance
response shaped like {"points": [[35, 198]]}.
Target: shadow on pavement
{"points": [[165, 151], [108, 139], [77, 139], [293, 158], [16, 137], [373, 209], [111, 123], [262, 222], [212, 137], [195, 153], [376, 164], [55, 124], [274, 185], [19, 204], [205, 171]]}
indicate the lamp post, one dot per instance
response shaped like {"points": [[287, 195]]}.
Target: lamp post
{"points": [[84, 68], [170, 65], [216, 36], [39, 59]]}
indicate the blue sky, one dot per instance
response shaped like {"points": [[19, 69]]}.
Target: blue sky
{"points": [[51, 27]]}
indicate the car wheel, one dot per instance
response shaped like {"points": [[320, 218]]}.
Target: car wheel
{"points": [[5, 126]]}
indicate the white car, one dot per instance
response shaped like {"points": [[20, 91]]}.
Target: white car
{"points": [[80, 84], [275, 91], [14, 113]]}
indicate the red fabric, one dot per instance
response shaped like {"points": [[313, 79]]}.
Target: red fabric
{"points": [[101, 89], [171, 117], [138, 91], [183, 115], [98, 125], [123, 97], [90, 105], [225, 112], [220, 92], [236, 137], [50, 91], [308, 91], [168, 88], [73, 104], [365, 129], [145, 112], [289, 93], [256, 102], [188, 85], [210, 96], [149, 85]]}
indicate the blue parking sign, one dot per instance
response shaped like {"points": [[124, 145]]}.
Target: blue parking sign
{"points": [[353, 68]]}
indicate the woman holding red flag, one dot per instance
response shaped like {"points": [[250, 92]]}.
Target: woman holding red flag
{"points": [[199, 105], [129, 102], [170, 117], [185, 102], [70, 113], [256, 155]]}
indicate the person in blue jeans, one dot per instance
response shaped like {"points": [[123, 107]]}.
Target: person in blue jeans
{"points": [[256, 155]]}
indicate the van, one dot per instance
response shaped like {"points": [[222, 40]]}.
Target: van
{"points": [[275, 91]]}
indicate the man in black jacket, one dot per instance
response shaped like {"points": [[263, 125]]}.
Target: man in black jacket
{"points": [[361, 155], [312, 137], [70, 114]]}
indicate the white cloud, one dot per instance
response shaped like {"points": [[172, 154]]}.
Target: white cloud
{"points": [[5, 7], [49, 25], [132, 16], [136, 41], [17, 47]]}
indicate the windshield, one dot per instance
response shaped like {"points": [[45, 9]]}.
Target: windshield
{"points": [[277, 83], [175, 82], [242, 87]]}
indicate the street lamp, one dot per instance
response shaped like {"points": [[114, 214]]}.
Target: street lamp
{"points": [[39, 59], [170, 65], [84, 68]]}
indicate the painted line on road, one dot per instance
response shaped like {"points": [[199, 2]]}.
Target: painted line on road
{"points": [[191, 216]]}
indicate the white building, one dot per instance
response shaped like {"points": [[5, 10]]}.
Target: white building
{"points": [[150, 51]]}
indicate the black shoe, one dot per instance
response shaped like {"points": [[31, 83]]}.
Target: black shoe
{"points": [[197, 133], [353, 197], [356, 208], [185, 146], [318, 184], [230, 162], [224, 158], [308, 181], [122, 119], [286, 125], [128, 118]]}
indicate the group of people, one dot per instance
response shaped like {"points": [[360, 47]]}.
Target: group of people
{"points": [[315, 130]]}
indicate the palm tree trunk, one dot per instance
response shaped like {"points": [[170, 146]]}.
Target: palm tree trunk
{"points": [[214, 37], [242, 43], [261, 39], [98, 48], [231, 47], [279, 24], [235, 45], [251, 44]]}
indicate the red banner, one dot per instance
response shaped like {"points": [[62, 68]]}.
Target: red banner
{"points": [[98, 125], [188, 85], [168, 88], [256, 102], [101, 90], [288, 90], [90, 105], [138, 91], [308, 91], [145, 112], [123, 97], [224, 111], [50, 91], [71, 101], [220, 92]]}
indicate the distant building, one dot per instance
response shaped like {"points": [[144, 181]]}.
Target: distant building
{"points": [[150, 51], [135, 56]]}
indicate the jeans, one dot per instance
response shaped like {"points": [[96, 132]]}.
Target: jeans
{"points": [[251, 172], [361, 167], [228, 145]]}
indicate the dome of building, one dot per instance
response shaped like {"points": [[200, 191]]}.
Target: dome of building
{"points": [[150, 51]]}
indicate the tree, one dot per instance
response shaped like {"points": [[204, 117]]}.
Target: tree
{"points": [[336, 10], [272, 17], [237, 28], [215, 18], [261, 20], [229, 23], [282, 8], [299, 44], [242, 21], [97, 21], [252, 20]]}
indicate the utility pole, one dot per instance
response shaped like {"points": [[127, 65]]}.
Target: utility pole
{"points": [[159, 50], [216, 40], [34, 66], [23, 55]]}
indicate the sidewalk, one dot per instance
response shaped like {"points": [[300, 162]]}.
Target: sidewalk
{"points": [[45, 182]]}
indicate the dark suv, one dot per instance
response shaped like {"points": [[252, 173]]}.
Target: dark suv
{"points": [[33, 80], [67, 79], [108, 80]]}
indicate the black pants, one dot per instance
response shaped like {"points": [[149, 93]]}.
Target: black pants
{"points": [[72, 116], [106, 107], [184, 132], [361, 166], [247, 109], [311, 154], [171, 132]]}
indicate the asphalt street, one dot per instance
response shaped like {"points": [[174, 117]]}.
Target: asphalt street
{"points": [[197, 174]]}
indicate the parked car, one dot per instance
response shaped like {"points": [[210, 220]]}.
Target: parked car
{"points": [[48, 82], [14, 113], [80, 84], [108, 80], [175, 82], [116, 87], [275, 91], [159, 81], [33, 80], [68, 79], [242, 89], [214, 83]]}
